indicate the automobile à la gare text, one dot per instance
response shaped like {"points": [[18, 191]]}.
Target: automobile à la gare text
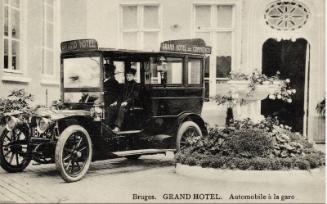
{"points": [[75, 131]]}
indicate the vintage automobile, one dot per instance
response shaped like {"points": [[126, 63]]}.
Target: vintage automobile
{"points": [[74, 131]]}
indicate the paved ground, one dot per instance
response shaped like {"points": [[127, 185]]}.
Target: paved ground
{"points": [[117, 180]]}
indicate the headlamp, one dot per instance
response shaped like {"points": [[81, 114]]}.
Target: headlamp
{"points": [[42, 125], [11, 122], [96, 112]]}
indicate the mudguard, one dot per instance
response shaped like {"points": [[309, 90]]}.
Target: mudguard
{"points": [[195, 118]]}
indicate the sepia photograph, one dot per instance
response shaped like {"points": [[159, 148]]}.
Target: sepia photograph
{"points": [[162, 101]]}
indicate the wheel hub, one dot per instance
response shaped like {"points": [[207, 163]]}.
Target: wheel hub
{"points": [[77, 154], [16, 148]]}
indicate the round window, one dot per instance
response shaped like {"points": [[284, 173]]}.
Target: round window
{"points": [[286, 15]]}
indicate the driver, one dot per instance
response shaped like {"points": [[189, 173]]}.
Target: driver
{"points": [[129, 95], [110, 84], [111, 88]]}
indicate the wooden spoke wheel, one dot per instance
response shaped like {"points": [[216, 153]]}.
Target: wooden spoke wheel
{"points": [[187, 130], [14, 150], [73, 153]]}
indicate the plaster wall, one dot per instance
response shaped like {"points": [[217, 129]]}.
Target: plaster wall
{"points": [[73, 19]]}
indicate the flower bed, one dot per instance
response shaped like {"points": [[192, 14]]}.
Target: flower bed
{"points": [[249, 146]]}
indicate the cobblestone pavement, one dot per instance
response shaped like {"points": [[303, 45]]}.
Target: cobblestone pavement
{"points": [[117, 180]]}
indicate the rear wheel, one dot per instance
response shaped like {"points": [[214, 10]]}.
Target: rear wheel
{"points": [[14, 151], [73, 153], [187, 130]]}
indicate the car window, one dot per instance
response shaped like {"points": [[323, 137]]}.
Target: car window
{"points": [[120, 70], [194, 71], [174, 70], [81, 72], [165, 71], [119, 73]]}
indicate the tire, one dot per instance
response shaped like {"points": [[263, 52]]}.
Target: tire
{"points": [[133, 157], [70, 152], [15, 153], [187, 129]]}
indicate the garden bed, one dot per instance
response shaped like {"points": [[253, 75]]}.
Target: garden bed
{"points": [[251, 146]]}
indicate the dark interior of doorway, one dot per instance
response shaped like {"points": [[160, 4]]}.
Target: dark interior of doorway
{"points": [[289, 58]]}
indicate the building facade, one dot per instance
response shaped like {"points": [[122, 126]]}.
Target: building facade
{"points": [[29, 38], [245, 35]]}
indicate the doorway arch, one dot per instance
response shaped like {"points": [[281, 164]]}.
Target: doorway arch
{"points": [[291, 59]]}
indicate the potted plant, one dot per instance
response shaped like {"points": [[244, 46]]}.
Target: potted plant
{"points": [[242, 88]]}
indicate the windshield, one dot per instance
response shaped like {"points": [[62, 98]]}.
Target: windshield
{"points": [[82, 72]]}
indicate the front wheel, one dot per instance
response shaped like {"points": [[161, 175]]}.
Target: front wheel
{"points": [[187, 130], [73, 153], [14, 150]]}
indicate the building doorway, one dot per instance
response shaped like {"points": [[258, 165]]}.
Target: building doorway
{"points": [[291, 59]]}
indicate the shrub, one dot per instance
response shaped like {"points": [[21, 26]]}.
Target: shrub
{"points": [[249, 143], [192, 161], [179, 157], [276, 164], [302, 164], [242, 163], [287, 163], [260, 163], [16, 100], [314, 159], [205, 162], [218, 162], [255, 163], [253, 146]]}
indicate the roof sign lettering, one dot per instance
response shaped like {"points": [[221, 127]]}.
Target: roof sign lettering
{"points": [[83, 44], [194, 46]]}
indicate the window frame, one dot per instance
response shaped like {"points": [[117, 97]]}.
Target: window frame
{"points": [[201, 72], [213, 30], [182, 81], [138, 75], [182, 84], [236, 30], [10, 39], [45, 48], [140, 29], [78, 55]]}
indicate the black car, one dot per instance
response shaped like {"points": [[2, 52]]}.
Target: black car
{"points": [[74, 131]]}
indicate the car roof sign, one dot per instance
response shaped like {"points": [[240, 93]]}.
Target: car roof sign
{"points": [[193, 46], [81, 44]]}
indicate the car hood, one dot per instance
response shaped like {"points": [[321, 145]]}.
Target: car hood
{"points": [[58, 114]]}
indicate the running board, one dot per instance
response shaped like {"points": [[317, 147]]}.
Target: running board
{"points": [[128, 132], [142, 152]]}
